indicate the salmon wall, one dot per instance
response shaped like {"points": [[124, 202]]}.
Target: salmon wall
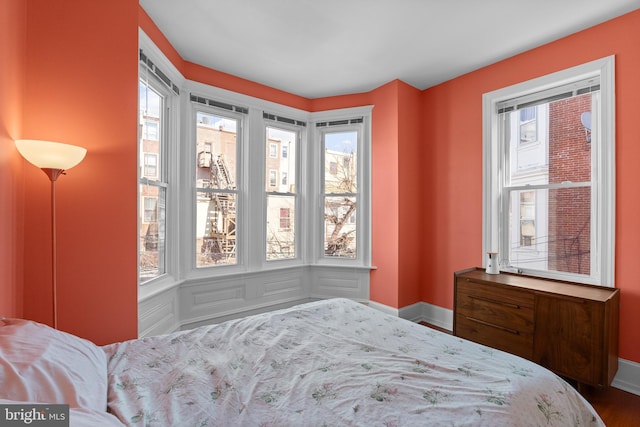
{"points": [[453, 134], [12, 46], [81, 88]]}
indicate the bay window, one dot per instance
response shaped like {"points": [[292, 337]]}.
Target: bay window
{"points": [[245, 203]]}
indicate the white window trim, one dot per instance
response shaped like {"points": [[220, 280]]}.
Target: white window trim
{"points": [[173, 120], [363, 216], [604, 183], [300, 217]]}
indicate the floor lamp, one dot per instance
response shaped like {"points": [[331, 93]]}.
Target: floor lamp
{"points": [[53, 158]]}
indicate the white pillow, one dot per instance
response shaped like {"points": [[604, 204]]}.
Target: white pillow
{"points": [[41, 364]]}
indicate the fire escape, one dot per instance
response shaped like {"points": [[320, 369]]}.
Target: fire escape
{"points": [[219, 240]]}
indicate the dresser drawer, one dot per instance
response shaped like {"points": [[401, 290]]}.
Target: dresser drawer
{"points": [[505, 339], [499, 306]]}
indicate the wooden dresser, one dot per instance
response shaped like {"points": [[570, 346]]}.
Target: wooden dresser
{"points": [[570, 328]]}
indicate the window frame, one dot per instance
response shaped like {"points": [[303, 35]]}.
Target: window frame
{"points": [[168, 132], [240, 184], [495, 221], [328, 122], [299, 219]]}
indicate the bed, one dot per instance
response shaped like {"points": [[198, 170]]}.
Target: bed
{"points": [[326, 363]]}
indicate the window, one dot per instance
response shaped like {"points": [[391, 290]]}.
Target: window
{"points": [[153, 179], [340, 190], [528, 125], [527, 218], [150, 130], [216, 178], [549, 206], [150, 165], [273, 177], [285, 218], [273, 150], [281, 200], [150, 210]]}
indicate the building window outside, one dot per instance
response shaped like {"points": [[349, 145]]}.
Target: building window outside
{"points": [[528, 125], [544, 213], [150, 209], [150, 165], [285, 218], [527, 218], [273, 178], [151, 129], [333, 168], [273, 150]]}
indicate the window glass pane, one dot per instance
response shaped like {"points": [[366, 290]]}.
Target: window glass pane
{"points": [[151, 103], [152, 196], [562, 151], [281, 227], [216, 151], [340, 227], [152, 232], [340, 167], [215, 229], [550, 229], [281, 141]]}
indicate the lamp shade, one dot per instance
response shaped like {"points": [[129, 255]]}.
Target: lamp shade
{"points": [[50, 155]]}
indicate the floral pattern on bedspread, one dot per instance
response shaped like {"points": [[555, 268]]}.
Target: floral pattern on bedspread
{"points": [[331, 363]]}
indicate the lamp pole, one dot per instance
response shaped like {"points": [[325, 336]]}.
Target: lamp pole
{"points": [[53, 175]]}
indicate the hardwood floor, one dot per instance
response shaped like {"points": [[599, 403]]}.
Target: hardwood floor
{"points": [[616, 407]]}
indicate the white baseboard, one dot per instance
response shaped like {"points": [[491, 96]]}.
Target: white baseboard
{"points": [[384, 308], [627, 378]]}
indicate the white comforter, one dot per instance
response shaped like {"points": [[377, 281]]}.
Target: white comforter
{"points": [[331, 363]]}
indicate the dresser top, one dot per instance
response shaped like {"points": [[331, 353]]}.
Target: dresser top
{"points": [[568, 289]]}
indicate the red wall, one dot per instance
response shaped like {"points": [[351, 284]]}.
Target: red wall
{"points": [[12, 45], [453, 134], [81, 88]]}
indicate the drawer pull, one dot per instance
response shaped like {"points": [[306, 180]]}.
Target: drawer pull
{"points": [[482, 322], [493, 301]]}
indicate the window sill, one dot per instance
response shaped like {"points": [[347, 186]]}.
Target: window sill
{"points": [[156, 287]]}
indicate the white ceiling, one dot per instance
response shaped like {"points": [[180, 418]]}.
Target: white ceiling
{"points": [[332, 47]]}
